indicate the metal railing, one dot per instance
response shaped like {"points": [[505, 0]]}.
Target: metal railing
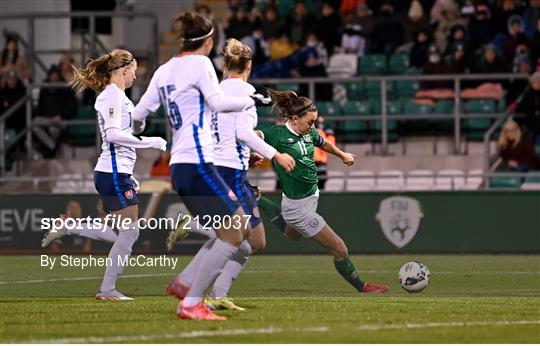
{"points": [[93, 43]]}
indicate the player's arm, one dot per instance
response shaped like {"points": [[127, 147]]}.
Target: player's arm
{"points": [[331, 148], [244, 132], [112, 114], [148, 103]]}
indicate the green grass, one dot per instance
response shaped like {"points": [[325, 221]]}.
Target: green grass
{"points": [[300, 299]]}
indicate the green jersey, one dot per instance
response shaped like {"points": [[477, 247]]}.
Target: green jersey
{"points": [[302, 181]]}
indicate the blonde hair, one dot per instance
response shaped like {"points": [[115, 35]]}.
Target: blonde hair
{"points": [[237, 56], [503, 139], [289, 104], [97, 73]]}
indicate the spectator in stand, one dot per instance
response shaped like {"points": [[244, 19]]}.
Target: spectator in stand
{"points": [[530, 17], [313, 61], [522, 54], [272, 25], [418, 55], [365, 19], [11, 92], [300, 23], [55, 104], [449, 17], [517, 86], [456, 37], [352, 40], [387, 31], [321, 156], [489, 62], [535, 47], [435, 89], [479, 27], [503, 12], [530, 107], [239, 24], [329, 27], [507, 43], [457, 61], [66, 62], [282, 47], [259, 46], [415, 21], [517, 152], [13, 59]]}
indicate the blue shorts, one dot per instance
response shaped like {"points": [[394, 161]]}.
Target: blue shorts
{"points": [[237, 181], [116, 190], [203, 190]]}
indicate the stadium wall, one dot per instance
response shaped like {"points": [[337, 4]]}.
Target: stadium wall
{"points": [[415, 222]]}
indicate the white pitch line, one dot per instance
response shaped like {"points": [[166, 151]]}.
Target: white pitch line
{"points": [[263, 272], [274, 330]]}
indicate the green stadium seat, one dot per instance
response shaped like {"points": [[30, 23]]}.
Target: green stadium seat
{"points": [[480, 106], [398, 64], [405, 88], [372, 65], [412, 107], [531, 179], [355, 90], [83, 135], [354, 131], [9, 135], [288, 86], [501, 105], [328, 108], [356, 108], [505, 182], [444, 107]]}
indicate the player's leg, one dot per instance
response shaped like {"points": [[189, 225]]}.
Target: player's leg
{"points": [[101, 233], [120, 200], [273, 211], [342, 262], [205, 193]]}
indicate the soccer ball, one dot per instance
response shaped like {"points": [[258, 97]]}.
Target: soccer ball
{"points": [[413, 277]]}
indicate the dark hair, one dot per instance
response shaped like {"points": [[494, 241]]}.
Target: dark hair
{"points": [[289, 104], [97, 73], [9, 38], [236, 56], [194, 30]]}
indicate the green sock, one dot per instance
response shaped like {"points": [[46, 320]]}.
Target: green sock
{"points": [[273, 211], [346, 269]]}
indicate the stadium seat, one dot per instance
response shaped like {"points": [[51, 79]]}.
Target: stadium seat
{"points": [[505, 182], [335, 181], [372, 64], [83, 135], [356, 108], [328, 109], [420, 180], [355, 90], [475, 128], [474, 179], [450, 179], [480, 106], [9, 135], [389, 180], [412, 107], [361, 181], [405, 88], [288, 86], [531, 182], [444, 107], [398, 64]]}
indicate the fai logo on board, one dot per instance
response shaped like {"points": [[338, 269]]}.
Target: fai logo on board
{"points": [[399, 218]]}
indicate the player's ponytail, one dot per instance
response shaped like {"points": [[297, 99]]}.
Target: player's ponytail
{"points": [[289, 104], [97, 73], [236, 56], [194, 30]]}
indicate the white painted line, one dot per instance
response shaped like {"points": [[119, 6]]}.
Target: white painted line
{"points": [[275, 330], [266, 272]]}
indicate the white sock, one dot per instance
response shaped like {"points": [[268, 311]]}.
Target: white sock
{"points": [[104, 233], [230, 271], [187, 276], [196, 227], [209, 269], [120, 250]]}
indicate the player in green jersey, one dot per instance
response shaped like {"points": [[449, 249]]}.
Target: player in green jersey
{"points": [[298, 137]]}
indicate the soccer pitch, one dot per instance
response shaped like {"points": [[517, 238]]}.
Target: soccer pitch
{"points": [[300, 299]]}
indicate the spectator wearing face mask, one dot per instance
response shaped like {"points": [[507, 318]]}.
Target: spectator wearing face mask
{"points": [[352, 40], [507, 43], [435, 89]]}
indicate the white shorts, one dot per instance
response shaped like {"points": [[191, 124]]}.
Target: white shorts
{"points": [[301, 214]]}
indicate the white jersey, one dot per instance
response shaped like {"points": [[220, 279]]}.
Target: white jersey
{"points": [[187, 86], [229, 150], [114, 110]]}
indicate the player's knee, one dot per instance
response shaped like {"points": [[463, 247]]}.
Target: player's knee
{"points": [[257, 245]]}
